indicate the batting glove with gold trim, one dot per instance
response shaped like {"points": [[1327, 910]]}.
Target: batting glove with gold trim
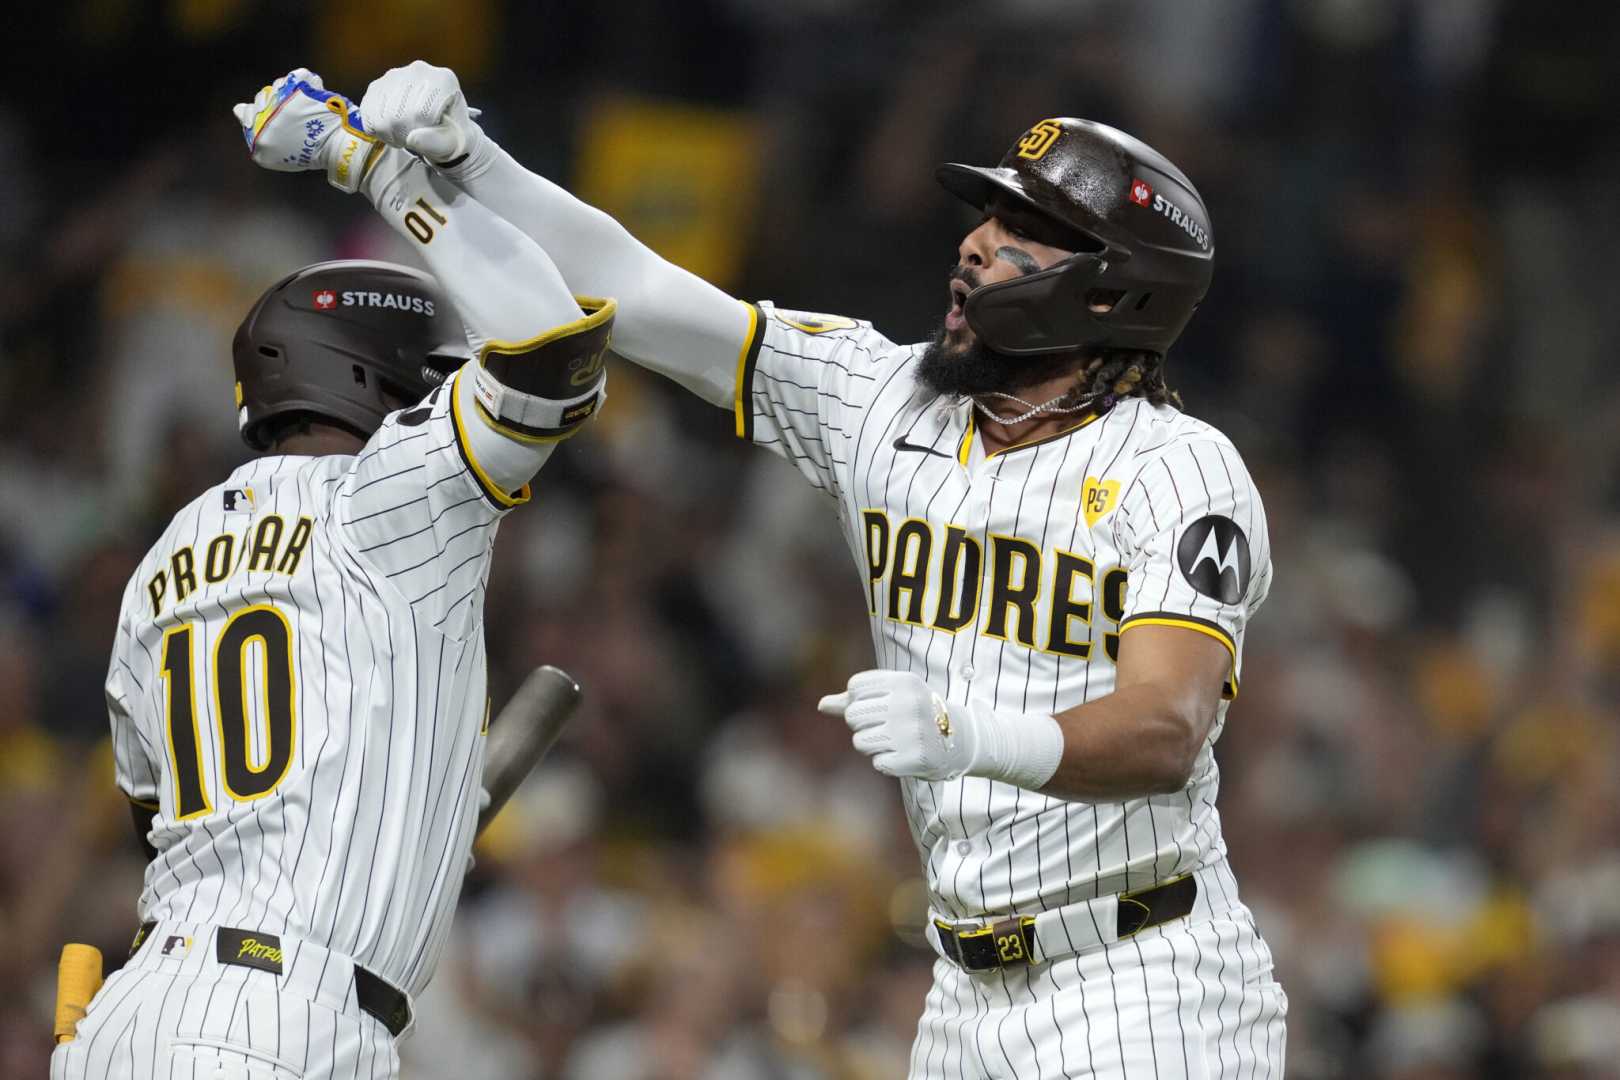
{"points": [[296, 124], [909, 730], [906, 728]]}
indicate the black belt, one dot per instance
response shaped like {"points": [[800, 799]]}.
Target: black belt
{"points": [[1010, 942], [251, 949]]}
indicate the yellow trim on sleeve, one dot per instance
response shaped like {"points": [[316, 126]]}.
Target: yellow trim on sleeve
{"points": [[740, 394], [142, 803], [1185, 624], [1208, 631], [489, 486]]}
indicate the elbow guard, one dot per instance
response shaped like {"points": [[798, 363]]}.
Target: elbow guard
{"points": [[543, 389]]}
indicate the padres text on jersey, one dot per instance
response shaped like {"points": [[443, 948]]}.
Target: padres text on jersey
{"points": [[1009, 579]]}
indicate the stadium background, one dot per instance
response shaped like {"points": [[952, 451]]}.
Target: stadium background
{"points": [[1410, 337]]}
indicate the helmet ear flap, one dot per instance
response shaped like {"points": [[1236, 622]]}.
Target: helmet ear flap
{"points": [[1085, 300], [1044, 312]]}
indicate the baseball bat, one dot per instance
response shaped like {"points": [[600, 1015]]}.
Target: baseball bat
{"points": [[523, 732]]}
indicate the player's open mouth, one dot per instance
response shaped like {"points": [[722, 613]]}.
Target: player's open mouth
{"points": [[953, 317]]}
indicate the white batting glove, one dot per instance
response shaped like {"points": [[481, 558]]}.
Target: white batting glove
{"points": [[295, 124], [904, 727], [421, 108], [908, 730]]}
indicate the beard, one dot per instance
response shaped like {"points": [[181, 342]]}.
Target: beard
{"points": [[974, 368]]}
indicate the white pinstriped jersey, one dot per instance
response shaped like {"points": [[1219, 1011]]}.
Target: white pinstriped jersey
{"points": [[298, 684], [1007, 580]]}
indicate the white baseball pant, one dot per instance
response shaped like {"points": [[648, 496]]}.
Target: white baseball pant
{"points": [[1192, 999], [174, 1012]]}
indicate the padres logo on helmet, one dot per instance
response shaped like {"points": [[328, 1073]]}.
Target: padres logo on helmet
{"points": [[1039, 139]]}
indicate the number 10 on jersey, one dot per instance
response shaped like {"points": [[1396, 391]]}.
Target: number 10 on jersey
{"points": [[244, 777]]}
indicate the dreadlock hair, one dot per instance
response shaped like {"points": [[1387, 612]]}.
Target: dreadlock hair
{"points": [[1114, 374]]}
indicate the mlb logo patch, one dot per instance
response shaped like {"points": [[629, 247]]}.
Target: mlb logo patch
{"points": [[176, 946], [325, 299], [1141, 193], [238, 500]]}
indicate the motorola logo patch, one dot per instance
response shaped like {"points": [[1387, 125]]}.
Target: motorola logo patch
{"points": [[1214, 558]]}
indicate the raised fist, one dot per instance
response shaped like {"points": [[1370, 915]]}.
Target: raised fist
{"points": [[421, 107], [295, 124]]}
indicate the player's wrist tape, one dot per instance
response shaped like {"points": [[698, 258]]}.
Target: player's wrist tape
{"points": [[543, 389], [1016, 748]]}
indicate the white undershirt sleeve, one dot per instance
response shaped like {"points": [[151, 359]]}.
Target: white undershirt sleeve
{"points": [[504, 285], [669, 320]]}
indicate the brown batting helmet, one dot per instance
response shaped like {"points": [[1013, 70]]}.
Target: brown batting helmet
{"points": [[345, 343], [1147, 250]]}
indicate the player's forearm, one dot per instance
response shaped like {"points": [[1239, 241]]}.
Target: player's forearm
{"points": [[669, 321], [540, 357], [1135, 742], [504, 285]]}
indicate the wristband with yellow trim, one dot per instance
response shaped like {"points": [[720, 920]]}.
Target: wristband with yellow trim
{"points": [[543, 389]]}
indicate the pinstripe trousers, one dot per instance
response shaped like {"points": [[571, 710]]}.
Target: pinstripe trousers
{"points": [[163, 1017], [1189, 1000]]}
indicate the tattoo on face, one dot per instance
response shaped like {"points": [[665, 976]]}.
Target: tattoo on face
{"points": [[1022, 259]]}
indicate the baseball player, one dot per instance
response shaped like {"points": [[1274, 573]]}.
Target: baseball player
{"points": [[1059, 565], [297, 686]]}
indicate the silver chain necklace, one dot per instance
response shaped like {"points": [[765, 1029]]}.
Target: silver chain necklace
{"points": [[1031, 410]]}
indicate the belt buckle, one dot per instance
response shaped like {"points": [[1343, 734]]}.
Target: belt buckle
{"points": [[1005, 943]]}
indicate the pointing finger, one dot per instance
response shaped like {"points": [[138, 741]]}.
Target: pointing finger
{"points": [[833, 704]]}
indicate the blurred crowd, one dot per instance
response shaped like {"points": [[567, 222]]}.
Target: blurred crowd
{"points": [[1410, 338]]}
